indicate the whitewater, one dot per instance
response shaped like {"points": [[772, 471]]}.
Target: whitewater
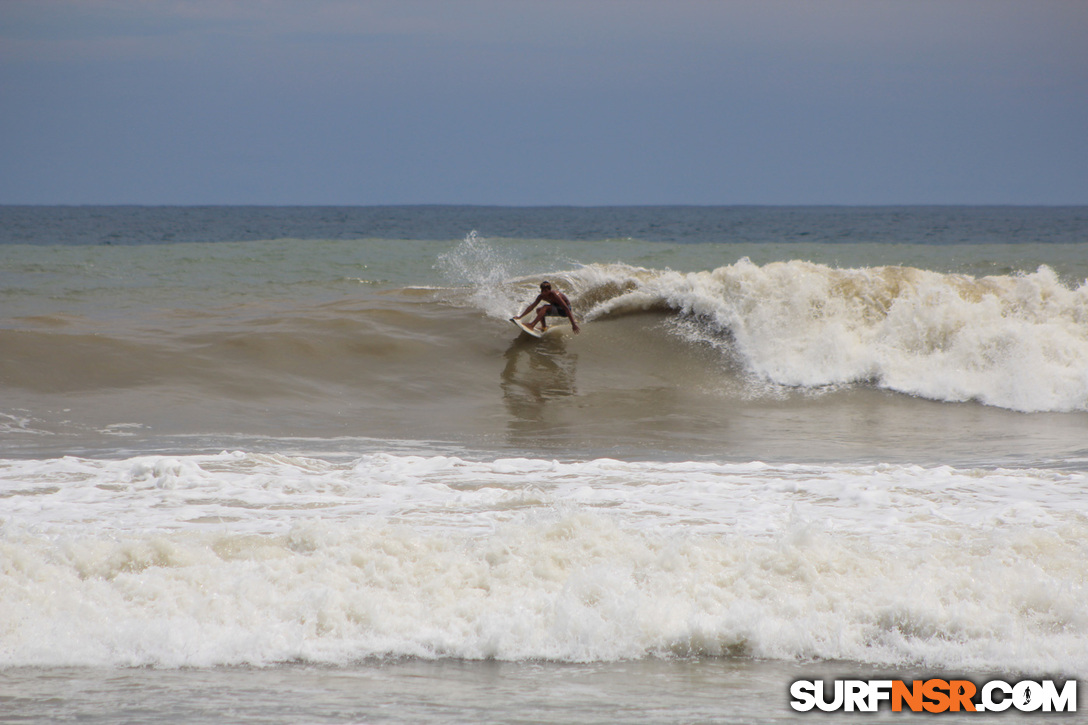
{"points": [[1018, 342], [252, 559]]}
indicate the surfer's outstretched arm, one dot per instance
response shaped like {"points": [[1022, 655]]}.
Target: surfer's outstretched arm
{"points": [[529, 309]]}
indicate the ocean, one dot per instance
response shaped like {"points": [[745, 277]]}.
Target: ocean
{"points": [[295, 465]]}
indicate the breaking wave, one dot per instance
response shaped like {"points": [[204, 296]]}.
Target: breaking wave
{"points": [[1017, 342]]}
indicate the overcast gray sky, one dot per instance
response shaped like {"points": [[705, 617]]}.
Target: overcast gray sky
{"points": [[540, 102]]}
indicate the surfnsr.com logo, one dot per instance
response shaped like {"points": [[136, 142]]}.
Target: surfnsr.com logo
{"points": [[934, 696]]}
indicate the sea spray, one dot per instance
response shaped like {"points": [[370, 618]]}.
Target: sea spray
{"points": [[487, 270]]}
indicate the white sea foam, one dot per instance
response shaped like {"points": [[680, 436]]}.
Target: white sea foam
{"points": [[486, 269], [1017, 342], [244, 558]]}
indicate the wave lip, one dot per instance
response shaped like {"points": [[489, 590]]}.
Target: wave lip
{"points": [[1016, 342]]}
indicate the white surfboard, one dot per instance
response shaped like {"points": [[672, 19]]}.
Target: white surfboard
{"points": [[534, 333]]}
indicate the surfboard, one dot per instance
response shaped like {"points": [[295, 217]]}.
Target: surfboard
{"points": [[533, 333]]}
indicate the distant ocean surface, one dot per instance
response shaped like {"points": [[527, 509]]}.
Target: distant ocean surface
{"points": [[264, 464]]}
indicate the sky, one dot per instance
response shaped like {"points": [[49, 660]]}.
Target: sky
{"points": [[544, 102]]}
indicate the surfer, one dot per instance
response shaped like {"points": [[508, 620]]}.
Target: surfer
{"points": [[557, 305]]}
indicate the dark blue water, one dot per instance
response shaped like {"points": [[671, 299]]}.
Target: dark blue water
{"points": [[42, 225]]}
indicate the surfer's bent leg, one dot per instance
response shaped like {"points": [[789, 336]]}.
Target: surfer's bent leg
{"points": [[539, 316]]}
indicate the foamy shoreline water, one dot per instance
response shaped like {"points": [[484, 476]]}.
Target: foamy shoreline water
{"points": [[241, 559]]}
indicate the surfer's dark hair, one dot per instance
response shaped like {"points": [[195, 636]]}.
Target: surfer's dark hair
{"points": [[545, 285]]}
